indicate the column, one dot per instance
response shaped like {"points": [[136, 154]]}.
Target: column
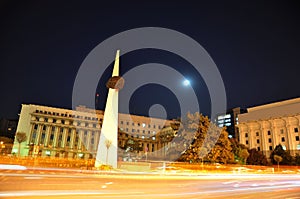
{"points": [[274, 133], [263, 139], [88, 140], [73, 136], [48, 128], [80, 137], [289, 135], [38, 136], [55, 139], [64, 137]]}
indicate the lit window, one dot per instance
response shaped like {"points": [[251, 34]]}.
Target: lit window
{"points": [[143, 125]]}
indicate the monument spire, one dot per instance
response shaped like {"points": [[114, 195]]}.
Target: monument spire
{"points": [[107, 152]]}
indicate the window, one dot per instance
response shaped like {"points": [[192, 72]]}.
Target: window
{"points": [[269, 132], [121, 122], [35, 126], [297, 138], [247, 142], [132, 130], [281, 131], [246, 135], [132, 124], [257, 133], [44, 128], [296, 130], [270, 148], [257, 141], [127, 123], [282, 139], [270, 140], [258, 148], [126, 129], [139, 124]]}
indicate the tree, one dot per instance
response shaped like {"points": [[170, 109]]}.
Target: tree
{"points": [[244, 154], [256, 158], [240, 151], [221, 150], [287, 159], [107, 144], [297, 159], [278, 159], [6, 140], [20, 137], [199, 139]]}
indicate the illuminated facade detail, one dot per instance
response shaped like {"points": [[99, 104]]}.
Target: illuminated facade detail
{"points": [[266, 126], [57, 132]]}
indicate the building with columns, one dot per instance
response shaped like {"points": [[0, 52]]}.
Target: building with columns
{"points": [[58, 132], [266, 126]]}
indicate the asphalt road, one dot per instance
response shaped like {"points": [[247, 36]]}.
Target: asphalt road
{"points": [[58, 184]]}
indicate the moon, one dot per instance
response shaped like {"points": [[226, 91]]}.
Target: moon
{"points": [[186, 82]]}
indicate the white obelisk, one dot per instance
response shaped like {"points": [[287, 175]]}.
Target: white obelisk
{"points": [[107, 153]]}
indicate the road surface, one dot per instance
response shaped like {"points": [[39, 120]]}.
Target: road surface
{"points": [[25, 184]]}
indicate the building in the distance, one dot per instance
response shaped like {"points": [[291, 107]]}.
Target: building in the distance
{"points": [[75, 133], [266, 126], [8, 127], [230, 121]]}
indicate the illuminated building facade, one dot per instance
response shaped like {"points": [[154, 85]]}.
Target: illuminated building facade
{"points": [[266, 126], [230, 121], [58, 132]]}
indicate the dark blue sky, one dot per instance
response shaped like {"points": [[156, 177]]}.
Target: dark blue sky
{"points": [[255, 44]]}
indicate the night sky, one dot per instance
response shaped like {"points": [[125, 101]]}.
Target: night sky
{"points": [[255, 44]]}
